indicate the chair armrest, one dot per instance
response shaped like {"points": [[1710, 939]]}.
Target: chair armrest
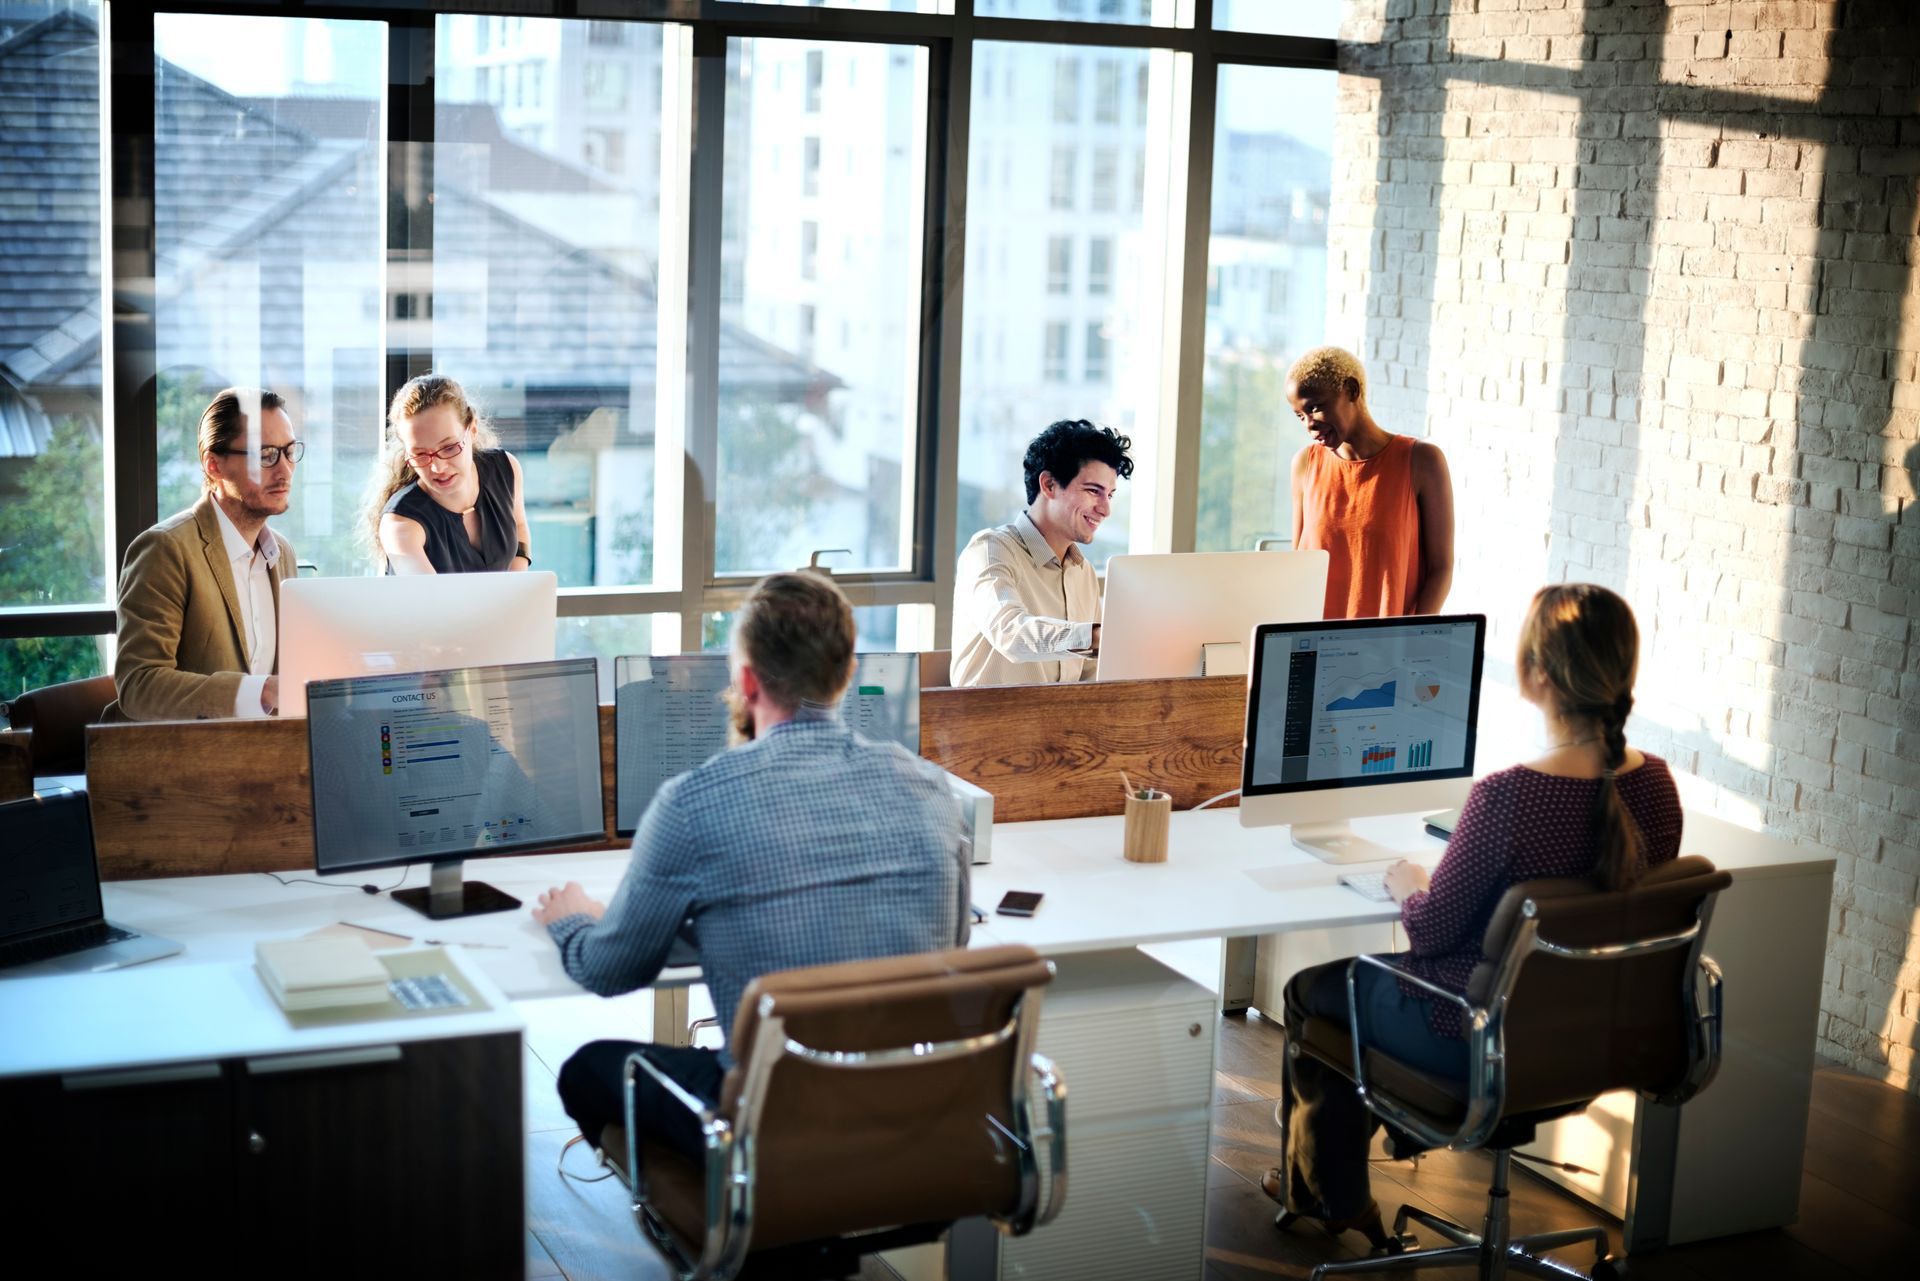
{"points": [[1483, 1065], [1053, 1135], [1704, 1062], [718, 1137]]}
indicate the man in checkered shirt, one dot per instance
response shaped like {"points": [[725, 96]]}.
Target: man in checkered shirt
{"points": [[805, 845]]}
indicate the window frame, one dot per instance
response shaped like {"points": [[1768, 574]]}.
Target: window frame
{"points": [[690, 588]]}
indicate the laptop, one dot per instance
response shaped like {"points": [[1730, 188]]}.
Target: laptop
{"points": [[50, 911]]}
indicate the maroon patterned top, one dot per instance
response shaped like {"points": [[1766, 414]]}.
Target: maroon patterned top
{"points": [[1519, 825]]}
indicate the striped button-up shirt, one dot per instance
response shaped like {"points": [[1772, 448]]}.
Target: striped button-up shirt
{"points": [[807, 847]]}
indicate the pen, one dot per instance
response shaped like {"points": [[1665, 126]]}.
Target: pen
{"points": [[395, 934]]}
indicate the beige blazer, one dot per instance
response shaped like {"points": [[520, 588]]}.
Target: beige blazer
{"points": [[181, 654]]}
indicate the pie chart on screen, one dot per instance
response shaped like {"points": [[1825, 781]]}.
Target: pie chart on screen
{"points": [[1426, 691]]}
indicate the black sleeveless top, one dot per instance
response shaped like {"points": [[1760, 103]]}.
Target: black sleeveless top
{"points": [[447, 547]]}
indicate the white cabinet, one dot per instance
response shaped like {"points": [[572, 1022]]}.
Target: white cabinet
{"points": [[1135, 1043]]}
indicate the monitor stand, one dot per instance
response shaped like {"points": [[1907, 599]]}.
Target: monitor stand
{"points": [[448, 896], [1338, 843]]}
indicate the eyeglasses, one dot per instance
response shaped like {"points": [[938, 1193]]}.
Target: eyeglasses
{"points": [[270, 454], [446, 453]]}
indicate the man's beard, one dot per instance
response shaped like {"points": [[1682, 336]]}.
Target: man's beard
{"points": [[739, 717]]}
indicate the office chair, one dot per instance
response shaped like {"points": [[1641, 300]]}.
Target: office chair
{"points": [[58, 716], [1578, 992], [870, 1106]]}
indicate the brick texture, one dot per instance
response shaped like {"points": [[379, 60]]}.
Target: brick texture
{"points": [[1647, 272]]}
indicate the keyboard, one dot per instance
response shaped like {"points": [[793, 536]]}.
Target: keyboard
{"points": [[98, 934], [1368, 885]]}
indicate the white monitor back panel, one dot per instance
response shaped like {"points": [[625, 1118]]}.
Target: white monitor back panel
{"points": [[333, 627], [1162, 611]]}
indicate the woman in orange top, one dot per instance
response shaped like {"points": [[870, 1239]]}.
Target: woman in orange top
{"points": [[1380, 505]]}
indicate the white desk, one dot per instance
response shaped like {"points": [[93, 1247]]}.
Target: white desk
{"points": [[179, 1093], [1721, 1170], [163, 1013], [220, 918], [1728, 1162]]}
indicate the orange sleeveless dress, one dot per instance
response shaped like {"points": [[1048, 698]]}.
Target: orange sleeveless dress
{"points": [[1364, 514]]}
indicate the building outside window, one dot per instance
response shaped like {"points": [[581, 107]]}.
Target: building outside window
{"points": [[1055, 370], [1059, 264]]}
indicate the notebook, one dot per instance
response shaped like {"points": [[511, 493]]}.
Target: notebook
{"points": [[320, 973], [51, 918]]}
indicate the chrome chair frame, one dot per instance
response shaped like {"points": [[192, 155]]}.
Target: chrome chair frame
{"points": [[729, 1146], [1494, 1248]]}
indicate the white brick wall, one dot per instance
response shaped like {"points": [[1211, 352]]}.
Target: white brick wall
{"points": [[1650, 274]]}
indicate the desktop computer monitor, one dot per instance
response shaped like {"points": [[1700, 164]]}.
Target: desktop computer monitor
{"points": [[668, 717], [1166, 615], [332, 627], [439, 767], [1358, 718]]}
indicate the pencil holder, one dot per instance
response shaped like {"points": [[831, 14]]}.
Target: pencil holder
{"points": [[1146, 826]]}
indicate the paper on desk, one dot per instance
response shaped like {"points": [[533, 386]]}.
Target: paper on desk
{"points": [[378, 940]]}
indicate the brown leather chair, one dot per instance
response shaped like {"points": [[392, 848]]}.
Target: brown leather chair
{"points": [[58, 716], [1578, 992], [871, 1105]]}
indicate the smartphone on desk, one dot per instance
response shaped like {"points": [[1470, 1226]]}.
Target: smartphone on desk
{"points": [[1019, 903]]}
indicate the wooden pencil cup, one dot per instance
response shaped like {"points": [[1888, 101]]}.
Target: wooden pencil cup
{"points": [[1145, 840]]}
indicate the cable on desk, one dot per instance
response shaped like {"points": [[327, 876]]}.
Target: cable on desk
{"points": [[367, 888], [1214, 800]]}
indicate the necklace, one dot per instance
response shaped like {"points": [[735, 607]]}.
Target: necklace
{"points": [[1575, 742]]}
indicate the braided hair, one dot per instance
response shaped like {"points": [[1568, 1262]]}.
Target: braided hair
{"points": [[1581, 643]]}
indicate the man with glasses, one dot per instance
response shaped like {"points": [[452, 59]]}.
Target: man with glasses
{"points": [[199, 607]]}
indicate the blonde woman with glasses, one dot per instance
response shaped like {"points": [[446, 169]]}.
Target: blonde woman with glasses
{"points": [[447, 498]]}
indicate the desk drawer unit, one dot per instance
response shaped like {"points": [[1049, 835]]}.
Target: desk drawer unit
{"points": [[1135, 1042]]}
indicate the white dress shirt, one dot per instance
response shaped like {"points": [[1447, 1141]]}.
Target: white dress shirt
{"points": [[1021, 615], [259, 625]]}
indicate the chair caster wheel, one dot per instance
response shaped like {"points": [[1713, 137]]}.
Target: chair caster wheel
{"points": [[1611, 1268]]}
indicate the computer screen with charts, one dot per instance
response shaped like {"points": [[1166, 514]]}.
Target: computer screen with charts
{"points": [[669, 717], [1358, 718], [437, 767]]}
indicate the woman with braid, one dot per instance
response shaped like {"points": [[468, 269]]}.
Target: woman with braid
{"points": [[1591, 806]]}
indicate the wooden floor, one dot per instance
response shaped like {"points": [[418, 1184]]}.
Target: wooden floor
{"points": [[1859, 1201], [1859, 1194]]}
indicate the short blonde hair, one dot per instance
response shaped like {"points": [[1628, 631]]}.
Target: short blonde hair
{"points": [[1325, 368]]}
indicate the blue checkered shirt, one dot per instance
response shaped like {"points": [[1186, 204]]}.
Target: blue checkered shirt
{"points": [[810, 846]]}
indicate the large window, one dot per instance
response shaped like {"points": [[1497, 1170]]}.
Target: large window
{"points": [[540, 216], [1266, 297], [819, 381], [1076, 345], [52, 476], [545, 278], [269, 236], [1279, 17]]}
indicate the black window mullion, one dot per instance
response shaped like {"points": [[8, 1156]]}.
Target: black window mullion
{"points": [[410, 60], [129, 262]]}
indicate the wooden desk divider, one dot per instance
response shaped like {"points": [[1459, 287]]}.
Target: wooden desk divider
{"points": [[202, 798], [16, 765], [1056, 751]]}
